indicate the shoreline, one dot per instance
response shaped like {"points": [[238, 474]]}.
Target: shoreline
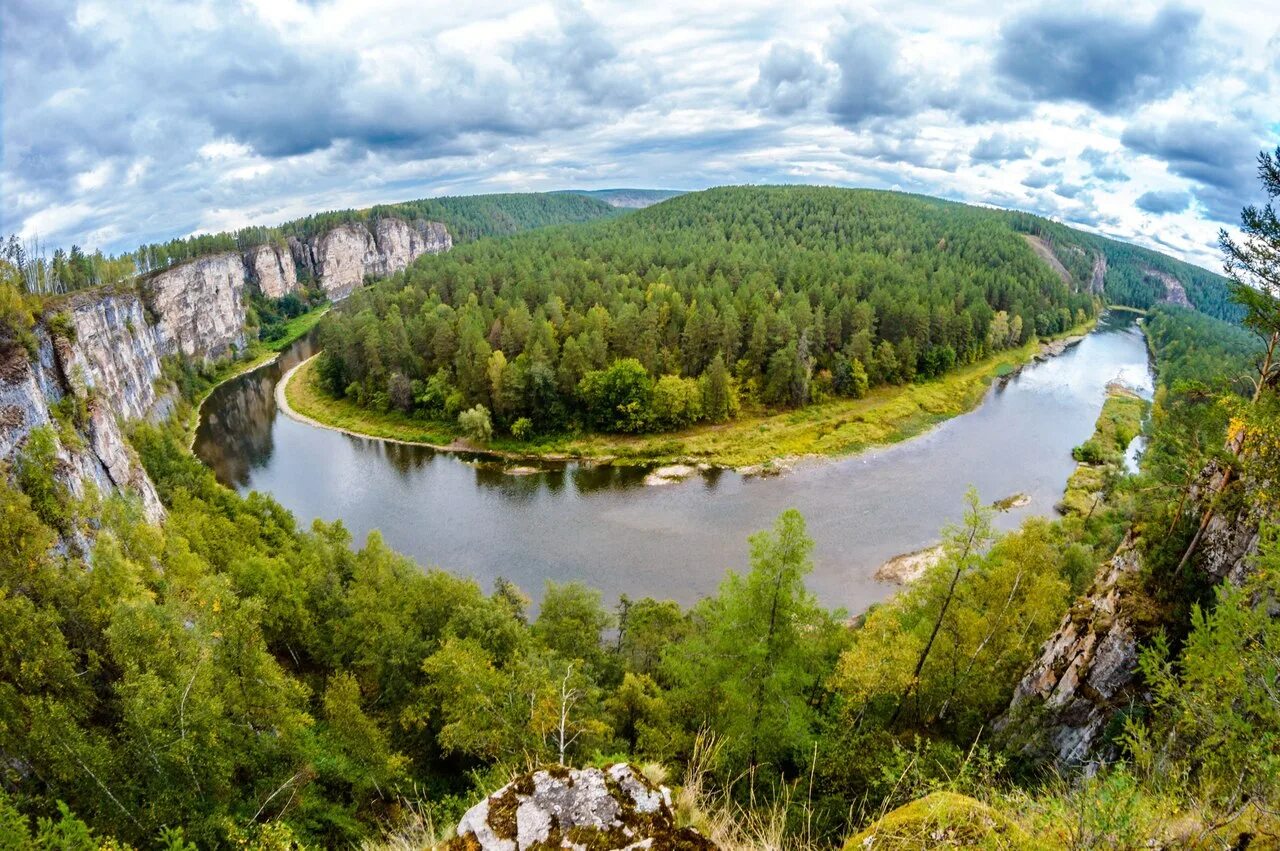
{"points": [[265, 359], [901, 430]]}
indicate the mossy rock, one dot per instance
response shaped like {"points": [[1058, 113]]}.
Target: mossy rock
{"points": [[941, 820]]}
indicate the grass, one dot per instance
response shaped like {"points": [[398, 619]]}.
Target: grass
{"points": [[297, 327], [830, 429], [1102, 455]]}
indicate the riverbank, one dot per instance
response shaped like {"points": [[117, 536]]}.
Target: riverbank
{"points": [[758, 444], [1102, 456], [261, 354]]}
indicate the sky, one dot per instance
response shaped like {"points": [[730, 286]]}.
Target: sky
{"points": [[129, 121]]}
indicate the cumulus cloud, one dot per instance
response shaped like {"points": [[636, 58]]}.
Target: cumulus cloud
{"points": [[1217, 156], [1105, 61], [1164, 201], [1104, 166], [872, 83], [790, 78], [999, 147]]}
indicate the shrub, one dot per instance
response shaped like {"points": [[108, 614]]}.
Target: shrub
{"points": [[476, 423], [522, 429]]}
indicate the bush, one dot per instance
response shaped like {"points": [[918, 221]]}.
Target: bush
{"points": [[618, 398], [476, 423], [522, 429], [36, 469], [677, 402]]}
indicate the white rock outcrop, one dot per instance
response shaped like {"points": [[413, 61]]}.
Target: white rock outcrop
{"points": [[201, 305], [613, 808], [1085, 672], [343, 257], [401, 242], [272, 269]]}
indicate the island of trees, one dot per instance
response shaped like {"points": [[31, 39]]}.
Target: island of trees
{"points": [[694, 310]]}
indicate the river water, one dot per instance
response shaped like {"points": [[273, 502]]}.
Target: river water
{"points": [[604, 526]]}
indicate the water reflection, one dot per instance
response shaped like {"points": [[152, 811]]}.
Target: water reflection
{"points": [[603, 525]]}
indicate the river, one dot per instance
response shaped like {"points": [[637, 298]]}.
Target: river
{"points": [[604, 526]]}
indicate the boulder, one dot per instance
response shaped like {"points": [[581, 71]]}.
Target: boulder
{"points": [[558, 807]]}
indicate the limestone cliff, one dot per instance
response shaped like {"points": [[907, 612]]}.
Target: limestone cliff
{"points": [[341, 259], [98, 457], [1085, 673], [271, 268], [400, 242], [110, 359], [201, 305]]}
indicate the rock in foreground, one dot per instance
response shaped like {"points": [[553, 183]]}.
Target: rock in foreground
{"points": [[614, 808]]}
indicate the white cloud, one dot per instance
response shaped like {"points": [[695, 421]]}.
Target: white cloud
{"points": [[162, 122]]}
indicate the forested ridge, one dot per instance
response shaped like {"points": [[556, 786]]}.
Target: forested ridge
{"points": [[1133, 273], [468, 217], [708, 303]]}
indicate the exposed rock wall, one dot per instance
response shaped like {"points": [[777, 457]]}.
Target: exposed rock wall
{"points": [[400, 242], [100, 458], [1085, 671], [343, 256], [112, 362], [201, 305], [1098, 278], [272, 269], [1174, 292]]}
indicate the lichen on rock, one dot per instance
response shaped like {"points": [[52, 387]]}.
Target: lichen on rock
{"points": [[592, 809]]}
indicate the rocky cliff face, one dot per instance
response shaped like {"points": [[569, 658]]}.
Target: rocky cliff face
{"points": [[342, 258], [272, 269], [1085, 672], [99, 457], [1098, 277], [111, 361], [400, 242], [201, 305]]}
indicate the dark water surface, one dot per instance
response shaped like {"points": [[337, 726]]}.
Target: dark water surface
{"points": [[604, 526]]}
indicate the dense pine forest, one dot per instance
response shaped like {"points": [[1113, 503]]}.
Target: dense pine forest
{"points": [[729, 299]]}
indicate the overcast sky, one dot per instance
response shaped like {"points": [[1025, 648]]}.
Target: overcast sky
{"points": [[130, 121]]}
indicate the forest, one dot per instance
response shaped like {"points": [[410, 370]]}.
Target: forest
{"points": [[467, 217], [711, 303]]}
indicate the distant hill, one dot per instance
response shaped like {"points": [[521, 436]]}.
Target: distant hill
{"points": [[631, 199]]}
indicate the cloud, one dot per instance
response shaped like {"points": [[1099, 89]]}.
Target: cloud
{"points": [[790, 78], [177, 117], [1107, 62], [1217, 156], [1000, 147], [1170, 201], [1041, 179], [872, 83], [1105, 167]]}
